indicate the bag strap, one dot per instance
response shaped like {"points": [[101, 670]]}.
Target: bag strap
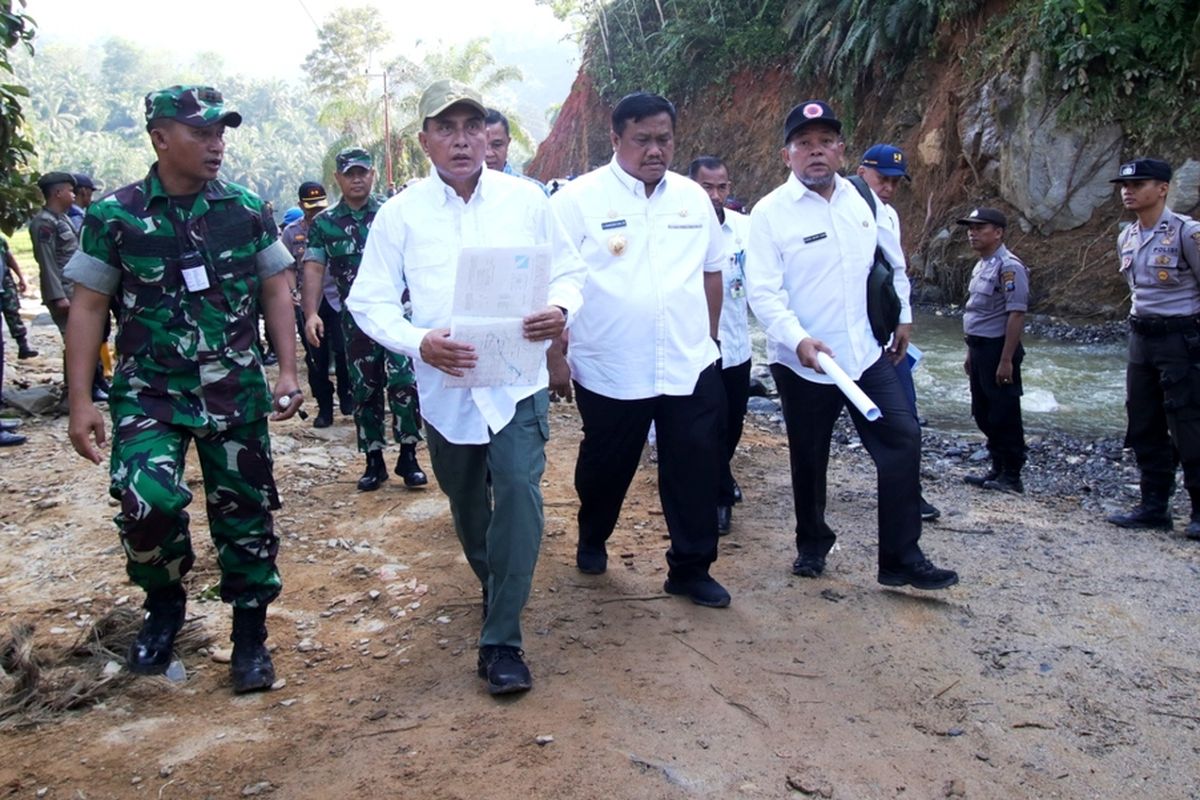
{"points": [[864, 190]]}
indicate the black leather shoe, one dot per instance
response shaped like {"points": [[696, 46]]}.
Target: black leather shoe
{"points": [[504, 669], [1192, 531], [703, 591], [250, 665], [724, 519], [99, 395], [737, 493], [980, 480], [1005, 483], [1142, 516], [323, 419], [10, 439], [808, 566], [929, 512], [150, 653], [921, 575], [376, 472], [25, 351], [408, 468], [9, 424], [591, 560]]}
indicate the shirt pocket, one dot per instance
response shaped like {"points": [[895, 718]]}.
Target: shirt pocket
{"points": [[1165, 269], [614, 237]]}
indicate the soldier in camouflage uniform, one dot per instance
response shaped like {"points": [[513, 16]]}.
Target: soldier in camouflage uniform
{"points": [[336, 240], [12, 291], [190, 258]]}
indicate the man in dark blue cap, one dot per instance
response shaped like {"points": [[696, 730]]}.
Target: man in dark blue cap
{"points": [[1160, 257], [812, 245]]}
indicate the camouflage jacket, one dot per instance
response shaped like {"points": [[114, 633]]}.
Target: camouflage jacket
{"points": [[188, 358], [54, 242], [337, 238]]}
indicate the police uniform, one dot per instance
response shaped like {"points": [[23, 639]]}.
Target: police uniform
{"points": [[1161, 263], [999, 286], [54, 242], [336, 240]]}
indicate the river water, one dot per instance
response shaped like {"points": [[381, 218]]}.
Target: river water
{"points": [[1069, 387]]}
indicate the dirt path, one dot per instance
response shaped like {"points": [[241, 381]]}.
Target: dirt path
{"points": [[1064, 665]]}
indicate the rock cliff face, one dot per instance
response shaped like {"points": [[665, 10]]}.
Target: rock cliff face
{"points": [[996, 140]]}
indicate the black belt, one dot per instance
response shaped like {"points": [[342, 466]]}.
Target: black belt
{"points": [[1161, 326], [980, 341]]}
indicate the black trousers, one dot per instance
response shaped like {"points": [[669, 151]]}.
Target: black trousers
{"points": [[316, 359], [894, 442], [689, 456], [1162, 388], [996, 408], [736, 380]]}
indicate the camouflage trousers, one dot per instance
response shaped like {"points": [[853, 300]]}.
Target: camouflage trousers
{"points": [[12, 307], [148, 458], [375, 370]]}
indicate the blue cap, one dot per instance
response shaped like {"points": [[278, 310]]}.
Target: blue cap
{"points": [[291, 215], [886, 160]]}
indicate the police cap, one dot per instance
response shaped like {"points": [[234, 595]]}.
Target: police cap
{"points": [[49, 179], [312, 195], [980, 216], [1143, 169]]}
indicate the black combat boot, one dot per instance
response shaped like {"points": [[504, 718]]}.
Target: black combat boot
{"points": [[1007, 481], [250, 665], [992, 474], [408, 468], [1151, 513], [150, 653], [25, 351], [375, 474]]}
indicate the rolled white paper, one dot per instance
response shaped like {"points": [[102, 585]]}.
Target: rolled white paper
{"points": [[849, 388]]}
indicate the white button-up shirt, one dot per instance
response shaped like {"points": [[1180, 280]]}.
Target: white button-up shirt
{"points": [[643, 330], [734, 331], [414, 244], [806, 270]]}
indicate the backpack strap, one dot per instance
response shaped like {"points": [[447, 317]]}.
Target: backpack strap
{"points": [[864, 190]]}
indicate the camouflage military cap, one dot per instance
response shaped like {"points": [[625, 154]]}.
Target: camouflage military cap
{"points": [[195, 106], [354, 157], [445, 93]]}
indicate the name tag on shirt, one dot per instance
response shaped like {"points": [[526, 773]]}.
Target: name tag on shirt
{"points": [[816, 237], [676, 227], [196, 278], [616, 223]]}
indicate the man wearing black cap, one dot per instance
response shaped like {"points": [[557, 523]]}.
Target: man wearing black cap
{"points": [[83, 198], [993, 321], [54, 242], [1160, 258], [812, 246]]}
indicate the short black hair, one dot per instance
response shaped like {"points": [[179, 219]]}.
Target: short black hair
{"points": [[704, 162], [48, 189], [493, 116], [638, 106]]}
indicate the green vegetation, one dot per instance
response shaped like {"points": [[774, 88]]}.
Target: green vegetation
{"points": [[19, 194], [1136, 63]]}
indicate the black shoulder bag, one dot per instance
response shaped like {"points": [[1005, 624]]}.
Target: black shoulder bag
{"points": [[883, 304]]}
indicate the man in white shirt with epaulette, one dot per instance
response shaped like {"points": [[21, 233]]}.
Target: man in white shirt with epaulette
{"points": [[487, 444], [643, 347], [812, 246], [734, 329]]}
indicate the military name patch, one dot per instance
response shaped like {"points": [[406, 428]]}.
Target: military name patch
{"points": [[816, 237], [616, 223], [676, 227]]}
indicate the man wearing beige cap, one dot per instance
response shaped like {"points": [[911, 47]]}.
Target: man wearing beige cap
{"points": [[487, 444]]}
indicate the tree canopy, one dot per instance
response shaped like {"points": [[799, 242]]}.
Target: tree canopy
{"points": [[19, 195]]}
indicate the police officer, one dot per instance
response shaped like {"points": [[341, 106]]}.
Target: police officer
{"points": [[336, 240], [1160, 257], [189, 259], [993, 321], [84, 187], [54, 242]]}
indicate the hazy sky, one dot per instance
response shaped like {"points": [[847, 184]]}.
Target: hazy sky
{"points": [[272, 37]]}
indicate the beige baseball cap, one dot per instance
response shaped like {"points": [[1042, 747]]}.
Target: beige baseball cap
{"points": [[445, 93]]}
